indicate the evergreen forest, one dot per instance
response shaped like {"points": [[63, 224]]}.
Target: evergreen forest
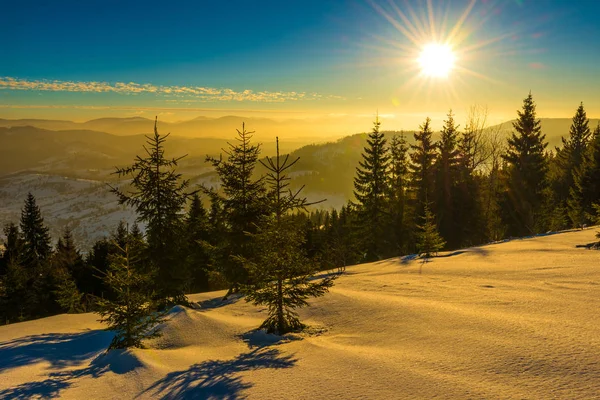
{"points": [[256, 236]]}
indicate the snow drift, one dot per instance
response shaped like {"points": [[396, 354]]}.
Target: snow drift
{"points": [[514, 320]]}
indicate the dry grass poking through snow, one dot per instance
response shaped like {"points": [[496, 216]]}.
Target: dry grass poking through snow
{"points": [[515, 320]]}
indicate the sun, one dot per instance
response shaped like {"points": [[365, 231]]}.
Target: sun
{"points": [[436, 60]]}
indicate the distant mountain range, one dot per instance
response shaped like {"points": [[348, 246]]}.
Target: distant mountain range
{"points": [[68, 168], [30, 145], [87, 153], [304, 130], [79, 149], [290, 130]]}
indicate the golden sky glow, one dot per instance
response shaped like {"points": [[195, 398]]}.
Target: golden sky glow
{"points": [[409, 59]]}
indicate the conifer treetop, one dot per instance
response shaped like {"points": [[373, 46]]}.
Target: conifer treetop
{"points": [[35, 234], [370, 180], [285, 199], [158, 192], [527, 138], [572, 153]]}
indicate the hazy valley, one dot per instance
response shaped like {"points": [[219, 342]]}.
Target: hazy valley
{"points": [[67, 167]]}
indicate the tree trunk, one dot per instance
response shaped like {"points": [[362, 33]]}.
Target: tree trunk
{"points": [[280, 319]]}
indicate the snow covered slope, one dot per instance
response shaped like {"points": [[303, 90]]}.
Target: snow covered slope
{"points": [[515, 320], [85, 206]]}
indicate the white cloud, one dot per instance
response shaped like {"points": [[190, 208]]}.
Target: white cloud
{"points": [[198, 93]]}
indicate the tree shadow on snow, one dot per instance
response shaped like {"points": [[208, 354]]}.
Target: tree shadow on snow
{"points": [[332, 273], [589, 246], [260, 338], [218, 302], [217, 379], [47, 389], [116, 361], [408, 258], [414, 257], [475, 250], [59, 349]]}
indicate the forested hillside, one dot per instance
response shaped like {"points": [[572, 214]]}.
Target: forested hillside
{"points": [[413, 193]]}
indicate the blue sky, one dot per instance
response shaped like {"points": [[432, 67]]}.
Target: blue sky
{"points": [[311, 57]]}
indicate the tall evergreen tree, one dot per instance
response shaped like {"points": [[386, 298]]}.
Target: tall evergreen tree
{"points": [[36, 235], [586, 186], [13, 246], [398, 182], [97, 262], [159, 196], [447, 181], [37, 252], [282, 275], [15, 304], [569, 159], [526, 168], [342, 245], [422, 168], [198, 254], [69, 269], [136, 234], [243, 204], [121, 234], [15, 278], [573, 151], [370, 190], [66, 256]]}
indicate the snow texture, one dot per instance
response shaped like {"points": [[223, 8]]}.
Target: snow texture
{"points": [[513, 320]]}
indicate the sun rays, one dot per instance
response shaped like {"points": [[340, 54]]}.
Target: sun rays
{"points": [[435, 52]]}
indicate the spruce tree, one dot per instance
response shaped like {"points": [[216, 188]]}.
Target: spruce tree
{"points": [[97, 262], [341, 242], [243, 204], [14, 292], [159, 195], [69, 269], [198, 251], [526, 168], [130, 311], [429, 241], [15, 278], [422, 168], [569, 159], [135, 233], [370, 191], [37, 251], [68, 296], [13, 247], [66, 256], [121, 234], [36, 235], [282, 276], [398, 182], [447, 183], [98, 258], [586, 185]]}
